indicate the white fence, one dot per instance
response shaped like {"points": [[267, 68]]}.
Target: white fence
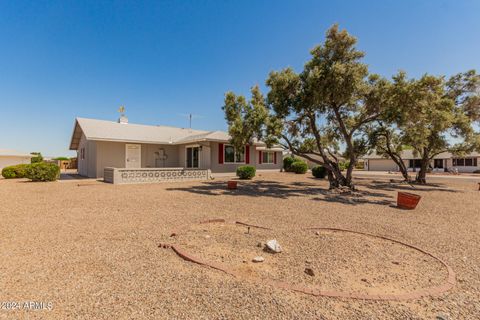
{"points": [[154, 175]]}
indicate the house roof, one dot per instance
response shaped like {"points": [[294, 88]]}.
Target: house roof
{"points": [[14, 153], [101, 130], [408, 154]]}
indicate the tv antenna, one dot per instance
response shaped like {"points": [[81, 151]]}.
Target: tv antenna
{"points": [[190, 117]]}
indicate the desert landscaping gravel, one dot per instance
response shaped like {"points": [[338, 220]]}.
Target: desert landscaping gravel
{"points": [[90, 249]]}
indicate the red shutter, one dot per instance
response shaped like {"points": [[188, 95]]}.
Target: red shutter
{"points": [[275, 158], [220, 153], [247, 154], [260, 157]]}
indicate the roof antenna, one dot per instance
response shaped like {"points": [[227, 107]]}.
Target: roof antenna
{"points": [[190, 117]]}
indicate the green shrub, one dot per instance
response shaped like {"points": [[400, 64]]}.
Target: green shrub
{"points": [[43, 172], [360, 165], [37, 157], [343, 165], [299, 167], [319, 172], [9, 172], [246, 172], [15, 172], [287, 163], [21, 170]]}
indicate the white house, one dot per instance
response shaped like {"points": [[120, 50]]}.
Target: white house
{"points": [[442, 162], [13, 157], [107, 144]]}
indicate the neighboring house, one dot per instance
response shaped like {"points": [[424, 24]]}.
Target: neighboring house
{"points": [[319, 158], [12, 157], [442, 162], [101, 144]]}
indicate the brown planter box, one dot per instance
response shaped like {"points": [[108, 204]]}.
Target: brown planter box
{"points": [[406, 200], [232, 184]]}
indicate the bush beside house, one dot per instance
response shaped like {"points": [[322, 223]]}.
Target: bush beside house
{"points": [[287, 163], [43, 172], [9, 172], [36, 172], [319, 172], [15, 172], [299, 167], [246, 172]]}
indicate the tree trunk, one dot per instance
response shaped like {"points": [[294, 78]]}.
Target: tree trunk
{"points": [[404, 171], [401, 166], [337, 179], [422, 174]]}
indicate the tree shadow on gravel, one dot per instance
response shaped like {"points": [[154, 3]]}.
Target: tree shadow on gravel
{"points": [[278, 190], [398, 185]]}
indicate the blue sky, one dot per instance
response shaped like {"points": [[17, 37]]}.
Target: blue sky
{"points": [[162, 59]]}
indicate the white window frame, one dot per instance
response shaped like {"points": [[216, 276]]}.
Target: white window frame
{"points": [[199, 157], [234, 155], [272, 157]]}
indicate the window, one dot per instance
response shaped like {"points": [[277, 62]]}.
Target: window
{"points": [[82, 153], [465, 162], [417, 163], [268, 157], [231, 155], [438, 163]]}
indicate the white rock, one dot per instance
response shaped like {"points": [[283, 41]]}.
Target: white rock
{"points": [[258, 259], [274, 246]]}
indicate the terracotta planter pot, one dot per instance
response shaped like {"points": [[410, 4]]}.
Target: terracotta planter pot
{"points": [[406, 200], [232, 184]]}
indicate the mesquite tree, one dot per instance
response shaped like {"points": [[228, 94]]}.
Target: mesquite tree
{"points": [[329, 103], [431, 112]]}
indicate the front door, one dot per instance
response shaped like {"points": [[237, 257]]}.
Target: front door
{"points": [[133, 156], [192, 158]]}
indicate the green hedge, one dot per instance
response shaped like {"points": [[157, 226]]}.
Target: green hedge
{"points": [[14, 172], [287, 163], [319, 172], [246, 172], [9, 172], [299, 167], [42, 172]]}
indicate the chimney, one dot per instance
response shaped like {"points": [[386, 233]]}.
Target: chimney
{"points": [[123, 119]]}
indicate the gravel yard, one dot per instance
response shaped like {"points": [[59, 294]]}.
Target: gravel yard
{"points": [[91, 249]]}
